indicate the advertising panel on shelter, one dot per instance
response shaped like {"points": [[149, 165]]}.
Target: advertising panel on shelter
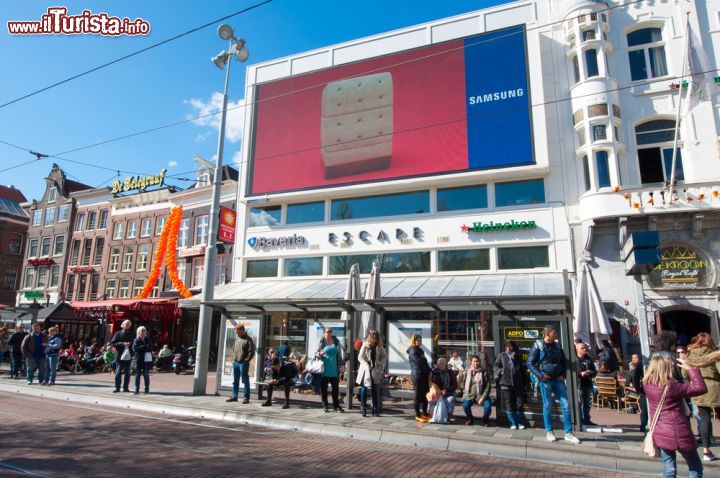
{"points": [[449, 107]]}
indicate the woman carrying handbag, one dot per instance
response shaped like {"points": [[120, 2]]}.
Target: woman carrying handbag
{"points": [[142, 347], [371, 371], [670, 428]]}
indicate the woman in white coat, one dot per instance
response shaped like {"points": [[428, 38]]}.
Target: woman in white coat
{"points": [[371, 373]]}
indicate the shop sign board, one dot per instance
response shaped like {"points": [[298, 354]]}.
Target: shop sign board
{"points": [[399, 334], [138, 183], [34, 294], [226, 228], [277, 242], [683, 266], [252, 328], [491, 226], [191, 251]]}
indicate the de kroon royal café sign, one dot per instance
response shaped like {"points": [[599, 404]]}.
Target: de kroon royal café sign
{"points": [[682, 266], [138, 183]]}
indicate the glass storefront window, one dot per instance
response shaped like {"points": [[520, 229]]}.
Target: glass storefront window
{"points": [[307, 212], [262, 268], [303, 266], [530, 257], [417, 202], [464, 260], [468, 197], [265, 216], [389, 263], [520, 192]]}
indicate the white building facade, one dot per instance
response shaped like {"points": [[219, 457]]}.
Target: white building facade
{"points": [[475, 170]]}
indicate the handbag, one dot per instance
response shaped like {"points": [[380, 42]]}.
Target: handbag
{"points": [[315, 366], [378, 376], [434, 392], [126, 355], [440, 413], [649, 447], [147, 357]]}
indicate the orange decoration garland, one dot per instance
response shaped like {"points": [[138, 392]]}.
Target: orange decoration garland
{"points": [[167, 250]]}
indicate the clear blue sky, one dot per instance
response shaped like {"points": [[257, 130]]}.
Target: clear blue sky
{"points": [[164, 85]]}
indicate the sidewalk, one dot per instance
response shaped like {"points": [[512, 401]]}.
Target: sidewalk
{"points": [[171, 395]]}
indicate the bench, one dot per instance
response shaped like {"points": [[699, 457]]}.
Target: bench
{"points": [[296, 387]]}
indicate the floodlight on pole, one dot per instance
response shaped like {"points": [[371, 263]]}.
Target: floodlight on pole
{"points": [[222, 61]]}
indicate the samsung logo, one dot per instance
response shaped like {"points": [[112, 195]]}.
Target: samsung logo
{"points": [[496, 96]]}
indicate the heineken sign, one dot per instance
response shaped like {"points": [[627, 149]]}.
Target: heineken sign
{"points": [[491, 226], [682, 266], [138, 183], [34, 294]]}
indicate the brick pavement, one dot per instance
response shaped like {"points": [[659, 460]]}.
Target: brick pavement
{"points": [[87, 440], [604, 451]]}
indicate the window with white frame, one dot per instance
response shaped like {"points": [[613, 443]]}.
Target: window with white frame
{"points": [[75, 252], [49, 216], [646, 53], [45, 246], [138, 286], [118, 231], [103, 219], [128, 258], [654, 141], [70, 286], [110, 286], [221, 269], [80, 221], [160, 224], [602, 168], [142, 257], [181, 269], [33, 248], [92, 220], [184, 232], [203, 177], [87, 250], [43, 275], [198, 268], [59, 246], [146, 228], [63, 213], [37, 217], [29, 278], [131, 230], [52, 194], [124, 289], [54, 276], [202, 225], [97, 255], [114, 259]]}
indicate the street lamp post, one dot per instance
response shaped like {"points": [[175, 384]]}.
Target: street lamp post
{"points": [[222, 61]]}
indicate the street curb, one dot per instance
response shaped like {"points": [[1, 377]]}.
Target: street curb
{"points": [[533, 450]]}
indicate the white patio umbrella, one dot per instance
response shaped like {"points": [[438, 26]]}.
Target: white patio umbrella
{"points": [[589, 316], [352, 292], [370, 319]]}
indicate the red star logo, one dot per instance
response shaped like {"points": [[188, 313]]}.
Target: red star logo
{"points": [[464, 228]]}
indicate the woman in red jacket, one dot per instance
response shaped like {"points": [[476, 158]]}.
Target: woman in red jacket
{"points": [[672, 432]]}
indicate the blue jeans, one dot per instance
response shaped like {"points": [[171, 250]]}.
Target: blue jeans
{"points": [[52, 363], [692, 458], [36, 363], [122, 367], [487, 408], [557, 387], [375, 394], [144, 370], [586, 400], [241, 370]]}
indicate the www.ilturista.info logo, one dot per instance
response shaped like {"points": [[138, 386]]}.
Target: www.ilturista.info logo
{"points": [[57, 22]]}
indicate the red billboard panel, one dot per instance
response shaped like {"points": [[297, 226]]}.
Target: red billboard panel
{"points": [[226, 228], [454, 106]]}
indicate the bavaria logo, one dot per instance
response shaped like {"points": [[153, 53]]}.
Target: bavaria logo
{"points": [[268, 242], [252, 241]]}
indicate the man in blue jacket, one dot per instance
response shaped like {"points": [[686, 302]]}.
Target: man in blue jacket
{"points": [[547, 362]]}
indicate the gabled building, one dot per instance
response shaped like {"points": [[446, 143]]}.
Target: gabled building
{"points": [[13, 236]]}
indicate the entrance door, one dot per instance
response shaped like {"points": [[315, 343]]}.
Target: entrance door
{"points": [[686, 322]]}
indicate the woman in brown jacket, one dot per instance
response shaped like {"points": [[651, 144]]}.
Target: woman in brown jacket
{"points": [[703, 353]]}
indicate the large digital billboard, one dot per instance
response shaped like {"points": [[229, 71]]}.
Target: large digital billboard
{"points": [[449, 107]]}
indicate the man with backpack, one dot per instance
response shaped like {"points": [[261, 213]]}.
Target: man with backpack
{"points": [[547, 362]]}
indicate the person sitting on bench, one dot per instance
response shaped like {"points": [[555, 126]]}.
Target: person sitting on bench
{"points": [[280, 375]]}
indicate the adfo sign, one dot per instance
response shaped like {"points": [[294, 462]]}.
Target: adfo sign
{"points": [[138, 183], [682, 266], [277, 242]]}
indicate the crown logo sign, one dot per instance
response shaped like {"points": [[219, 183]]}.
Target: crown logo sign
{"points": [[678, 252]]}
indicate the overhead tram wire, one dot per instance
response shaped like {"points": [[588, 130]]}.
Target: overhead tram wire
{"points": [[149, 130], [135, 53]]}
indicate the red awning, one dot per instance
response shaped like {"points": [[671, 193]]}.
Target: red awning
{"points": [[130, 303]]}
